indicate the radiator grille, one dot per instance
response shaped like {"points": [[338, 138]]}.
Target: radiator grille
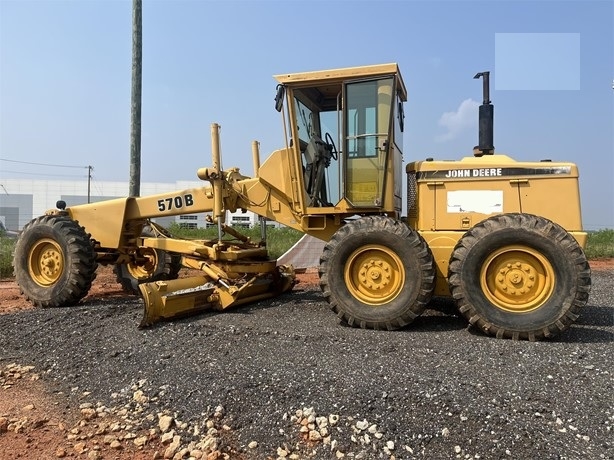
{"points": [[412, 192]]}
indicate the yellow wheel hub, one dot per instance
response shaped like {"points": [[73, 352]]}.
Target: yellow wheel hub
{"points": [[517, 279], [147, 267], [46, 262], [374, 274]]}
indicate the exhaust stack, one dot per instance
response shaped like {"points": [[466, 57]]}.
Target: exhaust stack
{"points": [[486, 120]]}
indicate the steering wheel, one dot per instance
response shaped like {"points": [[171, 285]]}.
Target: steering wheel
{"points": [[329, 140]]}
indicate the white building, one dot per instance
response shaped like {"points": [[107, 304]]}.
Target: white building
{"points": [[21, 200]]}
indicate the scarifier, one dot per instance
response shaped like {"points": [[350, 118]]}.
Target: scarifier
{"points": [[503, 238]]}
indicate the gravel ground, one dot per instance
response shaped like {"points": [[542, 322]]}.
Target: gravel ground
{"points": [[282, 379]]}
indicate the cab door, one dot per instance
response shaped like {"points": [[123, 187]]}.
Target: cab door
{"points": [[367, 116]]}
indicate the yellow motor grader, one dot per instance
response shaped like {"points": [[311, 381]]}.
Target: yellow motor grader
{"points": [[503, 238]]}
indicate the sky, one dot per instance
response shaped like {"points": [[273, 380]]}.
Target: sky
{"points": [[65, 72]]}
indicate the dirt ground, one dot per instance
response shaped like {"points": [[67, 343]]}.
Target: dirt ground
{"points": [[35, 423]]}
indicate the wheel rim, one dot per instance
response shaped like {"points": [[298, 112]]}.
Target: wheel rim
{"points": [[374, 274], [147, 267], [517, 279], [46, 262]]}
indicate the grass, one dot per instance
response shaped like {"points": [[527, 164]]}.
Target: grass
{"points": [[7, 246], [279, 240], [600, 244]]}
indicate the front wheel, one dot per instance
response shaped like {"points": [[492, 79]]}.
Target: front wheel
{"points": [[152, 265], [519, 276], [54, 262], [377, 273]]}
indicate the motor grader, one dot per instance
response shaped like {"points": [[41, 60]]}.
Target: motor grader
{"points": [[503, 238]]}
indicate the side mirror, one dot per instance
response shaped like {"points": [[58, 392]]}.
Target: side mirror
{"points": [[279, 97]]}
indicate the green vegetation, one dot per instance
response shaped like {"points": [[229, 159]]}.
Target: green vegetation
{"points": [[600, 244], [7, 246], [279, 240]]}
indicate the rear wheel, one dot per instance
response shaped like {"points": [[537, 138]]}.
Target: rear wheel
{"points": [[152, 265], [54, 262], [377, 273], [519, 276]]}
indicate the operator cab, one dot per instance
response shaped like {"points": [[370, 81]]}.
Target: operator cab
{"points": [[348, 125]]}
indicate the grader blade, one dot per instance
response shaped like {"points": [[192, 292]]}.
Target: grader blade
{"points": [[164, 300], [171, 299]]}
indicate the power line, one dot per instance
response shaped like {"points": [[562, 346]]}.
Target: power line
{"points": [[43, 164], [42, 174]]}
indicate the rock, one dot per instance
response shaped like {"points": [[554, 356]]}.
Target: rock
{"points": [[94, 455], [170, 451], [4, 424], [140, 397], [281, 452], [253, 444], [28, 407], [80, 447], [196, 454], [363, 425], [89, 413], [390, 445], [445, 432], [109, 438], [172, 448], [60, 452], [333, 419], [165, 423], [315, 435], [457, 449], [167, 437], [140, 441], [209, 443], [115, 427], [115, 445]]}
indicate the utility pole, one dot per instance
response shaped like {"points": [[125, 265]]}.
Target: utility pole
{"points": [[89, 182], [135, 113]]}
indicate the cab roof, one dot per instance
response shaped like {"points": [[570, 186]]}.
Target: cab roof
{"points": [[333, 76]]}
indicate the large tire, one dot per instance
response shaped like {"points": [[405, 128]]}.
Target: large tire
{"points": [[519, 276], [377, 273], [159, 266], [54, 262]]}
